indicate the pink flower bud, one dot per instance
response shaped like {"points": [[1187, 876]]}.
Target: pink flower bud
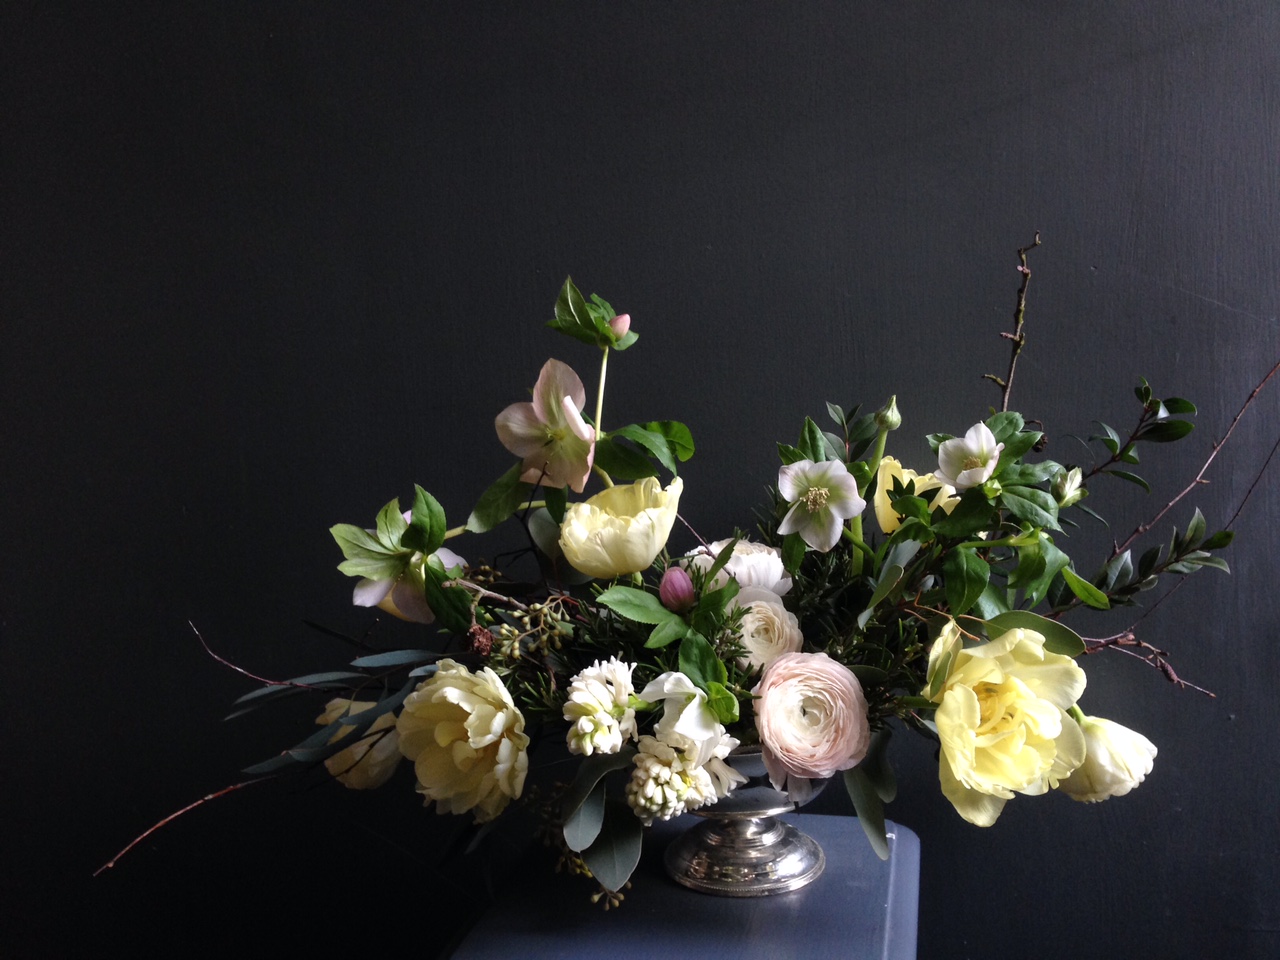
{"points": [[676, 590], [620, 325]]}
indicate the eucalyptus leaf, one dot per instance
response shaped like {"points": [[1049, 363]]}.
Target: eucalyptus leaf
{"points": [[870, 809], [583, 825], [612, 858], [591, 771], [1057, 637], [394, 658]]}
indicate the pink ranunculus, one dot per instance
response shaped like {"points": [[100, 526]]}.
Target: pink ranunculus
{"points": [[812, 719]]}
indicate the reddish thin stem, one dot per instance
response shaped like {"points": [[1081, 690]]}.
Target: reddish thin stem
{"points": [[174, 816]]}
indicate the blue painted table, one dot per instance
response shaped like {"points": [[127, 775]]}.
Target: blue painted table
{"points": [[861, 907]]}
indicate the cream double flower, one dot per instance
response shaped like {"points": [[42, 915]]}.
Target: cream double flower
{"points": [[1002, 719], [620, 530]]}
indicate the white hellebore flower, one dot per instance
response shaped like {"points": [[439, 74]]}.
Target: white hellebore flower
{"points": [[969, 462], [751, 564], [599, 709], [1116, 760], [768, 629], [822, 496]]}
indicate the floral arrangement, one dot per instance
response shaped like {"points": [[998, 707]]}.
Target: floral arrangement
{"points": [[868, 597]]}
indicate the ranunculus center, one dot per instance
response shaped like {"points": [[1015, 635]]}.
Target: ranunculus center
{"points": [[994, 706], [816, 498], [973, 462]]}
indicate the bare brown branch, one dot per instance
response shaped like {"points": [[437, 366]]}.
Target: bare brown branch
{"points": [[1017, 337]]}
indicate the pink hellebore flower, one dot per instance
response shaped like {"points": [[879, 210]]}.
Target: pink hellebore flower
{"points": [[822, 496], [549, 433]]}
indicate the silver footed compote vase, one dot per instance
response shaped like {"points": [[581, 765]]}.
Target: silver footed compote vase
{"points": [[741, 848]]}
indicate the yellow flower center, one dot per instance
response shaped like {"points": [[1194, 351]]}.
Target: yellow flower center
{"points": [[972, 463], [816, 498]]}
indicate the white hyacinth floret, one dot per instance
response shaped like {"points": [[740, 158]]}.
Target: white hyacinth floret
{"points": [[600, 709]]}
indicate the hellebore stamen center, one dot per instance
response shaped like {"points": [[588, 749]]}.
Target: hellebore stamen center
{"points": [[972, 462], [816, 498]]}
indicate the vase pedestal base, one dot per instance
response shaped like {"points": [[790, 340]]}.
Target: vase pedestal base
{"points": [[742, 849]]}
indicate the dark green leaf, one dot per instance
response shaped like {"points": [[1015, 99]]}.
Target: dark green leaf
{"points": [[698, 662], [965, 575], [1178, 405], [1015, 447], [1085, 591], [500, 501], [638, 605], [812, 443], [1216, 562], [1131, 477], [427, 528], [652, 441], [575, 319], [972, 514], [992, 603], [1029, 474], [1034, 506], [793, 548], [1218, 540], [556, 499], [666, 633], [622, 462], [789, 454], [1004, 425], [451, 605], [876, 764], [1166, 431], [1111, 440], [677, 436], [836, 413]]}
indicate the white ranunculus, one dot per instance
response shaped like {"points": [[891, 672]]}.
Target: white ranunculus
{"points": [[369, 761], [751, 564], [768, 629], [598, 709], [1116, 760], [969, 461], [812, 719], [620, 530], [466, 739]]}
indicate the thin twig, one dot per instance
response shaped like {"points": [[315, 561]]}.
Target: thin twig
{"points": [[174, 816], [1127, 641], [251, 676], [1199, 477], [1017, 338]]}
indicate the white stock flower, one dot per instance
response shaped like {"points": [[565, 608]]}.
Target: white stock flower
{"points": [[751, 564], [969, 462], [768, 629], [369, 761], [665, 783], [599, 709], [1116, 760], [466, 739]]}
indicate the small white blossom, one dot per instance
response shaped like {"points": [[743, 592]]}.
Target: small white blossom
{"points": [[664, 784], [599, 709]]}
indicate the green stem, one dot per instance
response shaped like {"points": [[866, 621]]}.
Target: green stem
{"points": [[874, 463], [604, 370], [1076, 713], [853, 533]]}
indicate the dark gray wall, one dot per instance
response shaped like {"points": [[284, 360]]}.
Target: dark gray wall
{"points": [[262, 267]]}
